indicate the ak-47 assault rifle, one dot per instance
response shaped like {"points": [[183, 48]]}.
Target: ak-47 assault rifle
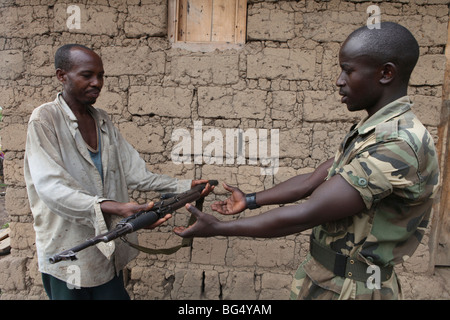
{"points": [[139, 220]]}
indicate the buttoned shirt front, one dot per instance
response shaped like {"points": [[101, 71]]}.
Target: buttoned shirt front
{"points": [[65, 190]]}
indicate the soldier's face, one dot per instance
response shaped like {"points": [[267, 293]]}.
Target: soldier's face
{"points": [[358, 81]]}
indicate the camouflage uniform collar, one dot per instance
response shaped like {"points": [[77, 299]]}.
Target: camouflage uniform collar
{"points": [[391, 110]]}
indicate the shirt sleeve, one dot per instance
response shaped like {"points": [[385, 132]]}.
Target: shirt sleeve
{"points": [[382, 169], [54, 186], [139, 177]]}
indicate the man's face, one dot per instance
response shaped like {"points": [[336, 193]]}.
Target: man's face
{"points": [[359, 79], [84, 81]]}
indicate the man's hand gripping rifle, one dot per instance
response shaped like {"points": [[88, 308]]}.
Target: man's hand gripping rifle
{"points": [[138, 221]]}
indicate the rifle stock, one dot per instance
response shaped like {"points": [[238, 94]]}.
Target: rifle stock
{"points": [[137, 221]]}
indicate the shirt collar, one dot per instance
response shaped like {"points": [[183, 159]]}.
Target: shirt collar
{"points": [[65, 107], [391, 110], [97, 116]]}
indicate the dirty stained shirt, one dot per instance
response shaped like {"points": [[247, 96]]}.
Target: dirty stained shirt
{"points": [[390, 159], [65, 190]]}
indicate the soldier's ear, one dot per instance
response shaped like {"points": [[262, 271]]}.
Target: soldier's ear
{"points": [[388, 73]]}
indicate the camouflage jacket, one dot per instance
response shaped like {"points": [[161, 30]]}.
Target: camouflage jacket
{"points": [[391, 160]]}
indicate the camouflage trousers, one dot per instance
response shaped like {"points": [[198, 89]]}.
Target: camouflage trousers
{"points": [[312, 281]]}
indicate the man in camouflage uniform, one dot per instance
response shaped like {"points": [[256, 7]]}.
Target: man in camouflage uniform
{"points": [[368, 206], [391, 161]]}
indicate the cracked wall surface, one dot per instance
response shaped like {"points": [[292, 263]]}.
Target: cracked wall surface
{"points": [[283, 78]]}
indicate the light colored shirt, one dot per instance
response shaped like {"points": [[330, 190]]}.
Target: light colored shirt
{"points": [[96, 155], [65, 191]]}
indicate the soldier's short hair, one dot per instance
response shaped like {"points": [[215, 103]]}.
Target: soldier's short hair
{"points": [[390, 43]]}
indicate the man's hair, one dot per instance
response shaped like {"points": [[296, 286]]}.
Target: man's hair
{"points": [[390, 43], [62, 56]]}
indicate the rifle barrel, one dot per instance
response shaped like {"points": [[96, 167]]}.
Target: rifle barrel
{"points": [[137, 221]]}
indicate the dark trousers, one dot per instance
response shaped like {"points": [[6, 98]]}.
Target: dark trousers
{"points": [[58, 290]]}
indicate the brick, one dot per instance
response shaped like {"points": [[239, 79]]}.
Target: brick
{"points": [[23, 21], [146, 20], [275, 286], [152, 283], [205, 69], [427, 109], [271, 63], [132, 60], [94, 19], [14, 137], [295, 143], [322, 106], [22, 100], [224, 102], [42, 61], [13, 173], [285, 106], [22, 236], [209, 251], [273, 253], [187, 284], [111, 102], [429, 70], [12, 277], [267, 24], [331, 26], [240, 285], [146, 138], [212, 286], [11, 64], [161, 240], [168, 102], [16, 200]]}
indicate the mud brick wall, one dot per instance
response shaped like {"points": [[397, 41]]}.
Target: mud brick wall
{"points": [[283, 78]]}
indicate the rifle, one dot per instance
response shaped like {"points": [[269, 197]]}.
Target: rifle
{"points": [[142, 219]]}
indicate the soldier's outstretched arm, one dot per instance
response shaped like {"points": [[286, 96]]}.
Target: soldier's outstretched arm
{"points": [[296, 188], [332, 200], [291, 190]]}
